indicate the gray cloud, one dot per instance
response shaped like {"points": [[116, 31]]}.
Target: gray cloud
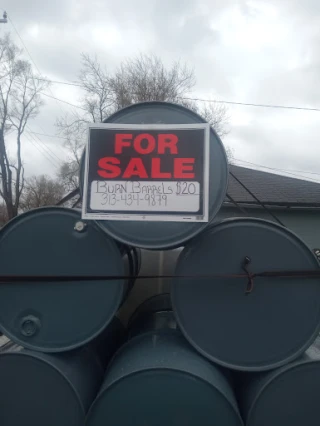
{"points": [[250, 51]]}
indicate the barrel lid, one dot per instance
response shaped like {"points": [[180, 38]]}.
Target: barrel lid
{"points": [[273, 324], [163, 235], [57, 316], [293, 390], [34, 392]]}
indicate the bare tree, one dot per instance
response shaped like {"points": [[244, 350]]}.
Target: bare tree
{"points": [[99, 100], [139, 79], [3, 214], [19, 102], [41, 191], [145, 78]]}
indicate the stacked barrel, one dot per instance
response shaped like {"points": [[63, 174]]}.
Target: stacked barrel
{"points": [[226, 347]]}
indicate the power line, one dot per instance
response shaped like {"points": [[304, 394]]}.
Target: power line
{"points": [[60, 82], [205, 100], [25, 47], [37, 68], [253, 104], [290, 171], [282, 170], [47, 147], [60, 100], [258, 201], [33, 142], [276, 168], [47, 153], [184, 98], [49, 136]]}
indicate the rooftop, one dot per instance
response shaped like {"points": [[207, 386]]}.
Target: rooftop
{"points": [[272, 189]]}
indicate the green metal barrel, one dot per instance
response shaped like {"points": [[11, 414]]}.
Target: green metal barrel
{"points": [[54, 389], [286, 396], [166, 234], [156, 379], [243, 323], [58, 316]]}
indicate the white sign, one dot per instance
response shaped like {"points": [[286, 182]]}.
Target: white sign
{"points": [[147, 172]]}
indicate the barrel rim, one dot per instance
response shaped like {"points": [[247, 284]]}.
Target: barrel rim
{"points": [[50, 365], [102, 394], [277, 375], [180, 241], [192, 245], [60, 349]]}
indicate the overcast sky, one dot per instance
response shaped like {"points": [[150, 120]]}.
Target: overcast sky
{"points": [[264, 52]]}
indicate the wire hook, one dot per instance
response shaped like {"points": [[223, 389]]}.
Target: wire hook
{"points": [[250, 283]]}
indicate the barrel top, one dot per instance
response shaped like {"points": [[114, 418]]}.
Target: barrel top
{"points": [[164, 235], [273, 324], [57, 316]]}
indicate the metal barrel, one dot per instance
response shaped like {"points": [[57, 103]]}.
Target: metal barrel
{"points": [[260, 330], [54, 389], [58, 316], [285, 396], [165, 235], [153, 314], [163, 381]]}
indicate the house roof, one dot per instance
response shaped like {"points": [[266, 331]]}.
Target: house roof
{"points": [[271, 189]]}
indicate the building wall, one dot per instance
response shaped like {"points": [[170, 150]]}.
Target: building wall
{"points": [[304, 223]]}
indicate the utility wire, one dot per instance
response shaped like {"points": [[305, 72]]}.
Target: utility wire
{"points": [[42, 150], [37, 68], [288, 171], [23, 44], [47, 147], [233, 201], [284, 171], [67, 83], [205, 100], [38, 149], [275, 168], [46, 150], [253, 104], [201, 99], [60, 100], [49, 136], [258, 201]]}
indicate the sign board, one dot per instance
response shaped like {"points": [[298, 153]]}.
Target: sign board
{"points": [[153, 172]]}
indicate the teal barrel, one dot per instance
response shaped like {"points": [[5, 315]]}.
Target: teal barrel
{"points": [[54, 389], [58, 316], [260, 330], [157, 379], [166, 234], [286, 396]]}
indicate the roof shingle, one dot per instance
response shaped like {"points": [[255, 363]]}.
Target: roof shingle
{"points": [[272, 189]]}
